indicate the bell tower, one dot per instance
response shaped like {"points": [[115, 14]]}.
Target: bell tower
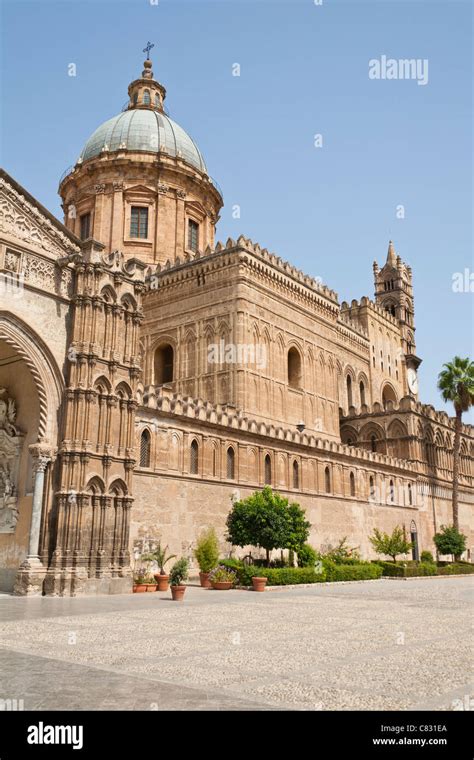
{"points": [[394, 293]]}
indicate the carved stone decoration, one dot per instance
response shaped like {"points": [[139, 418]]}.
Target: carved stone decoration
{"points": [[44, 274], [11, 443], [22, 219], [100, 188], [180, 193], [12, 261], [118, 186], [162, 188]]}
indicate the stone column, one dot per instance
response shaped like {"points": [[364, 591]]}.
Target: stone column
{"points": [[31, 573]]}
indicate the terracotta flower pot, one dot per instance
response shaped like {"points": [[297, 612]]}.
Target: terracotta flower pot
{"points": [[139, 588], [177, 592], [222, 585], [151, 586], [162, 582], [204, 578], [259, 583]]}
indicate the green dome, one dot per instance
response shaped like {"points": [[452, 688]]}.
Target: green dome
{"points": [[144, 130]]}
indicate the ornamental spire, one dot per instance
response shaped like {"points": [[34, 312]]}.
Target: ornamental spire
{"points": [[391, 255]]}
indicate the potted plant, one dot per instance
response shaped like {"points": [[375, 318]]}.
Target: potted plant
{"points": [[222, 578], [161, 557], [139, 578], [259, 582], [143, 582], [207, 555], [178, 574]]}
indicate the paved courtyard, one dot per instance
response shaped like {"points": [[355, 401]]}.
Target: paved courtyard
{"points": [[384, 644]]}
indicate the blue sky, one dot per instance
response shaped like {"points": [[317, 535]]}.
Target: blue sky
{"points": [[304, 71]]}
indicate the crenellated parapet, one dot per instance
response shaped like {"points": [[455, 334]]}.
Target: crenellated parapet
{"points": [[163, 400], [410, 405], [243, 252], [353, 312]]}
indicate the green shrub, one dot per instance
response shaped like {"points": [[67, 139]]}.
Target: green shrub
{"points": [[179, 572], [207, 551], [307, 556], [426, 557], [457, 568], [390, 544], [283, 576], [350, 572], [329, 571], [341, 554], [392, 570], [450, 541]]}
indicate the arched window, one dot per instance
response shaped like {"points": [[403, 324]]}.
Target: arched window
{"points": [[164, 364], [410, 494], [230, 463], [135, 99], [388, 394], [145, 448], [327, 480], [352, 484], [373, 443], [146, 97], [392, 492], [296, 475], [268, 470], [157, 100], [362, 393], [371, 488], [214, 461], [194, 458], [294, 368], [349, 390]]}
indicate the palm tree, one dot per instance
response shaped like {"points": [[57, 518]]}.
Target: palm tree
{"points": [[456, 383], [160, 556]]}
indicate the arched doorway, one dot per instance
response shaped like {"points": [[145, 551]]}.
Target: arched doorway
{"points": [[415, 554]]}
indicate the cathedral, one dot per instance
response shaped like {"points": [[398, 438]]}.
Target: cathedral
{"points": [[150, 376]]}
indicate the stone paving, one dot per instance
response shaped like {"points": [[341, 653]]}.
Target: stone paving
{"points": [[366, 646]]}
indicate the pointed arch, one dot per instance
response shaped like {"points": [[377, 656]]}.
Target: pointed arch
{"points": [[194, 457], [267, 470], [128, 302], [296, 474], [352, 484], [109, 294], [47, 377], [118, 487], [95, 486], [145, 448], [123, 389]]}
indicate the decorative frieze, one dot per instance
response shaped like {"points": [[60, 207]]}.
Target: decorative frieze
{"points": [[44, 274]]}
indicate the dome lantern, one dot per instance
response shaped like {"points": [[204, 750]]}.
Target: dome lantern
{"points": [[146, 92]]}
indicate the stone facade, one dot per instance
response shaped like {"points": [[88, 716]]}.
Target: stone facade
{"points": [[149, 377]]}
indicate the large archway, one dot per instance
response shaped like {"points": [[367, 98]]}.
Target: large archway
{"points": [[31, 389]]}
